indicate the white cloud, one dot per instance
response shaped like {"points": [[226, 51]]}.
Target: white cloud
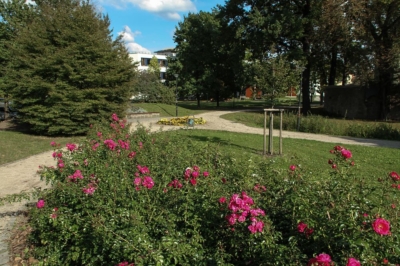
{"points": [[128, 37], [165, 8]]}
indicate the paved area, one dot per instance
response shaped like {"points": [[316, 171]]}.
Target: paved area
{"points": [[21, 175]]}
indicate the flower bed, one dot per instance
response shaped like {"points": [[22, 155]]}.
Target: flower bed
{"points": [[181, 121], [140, 199]]}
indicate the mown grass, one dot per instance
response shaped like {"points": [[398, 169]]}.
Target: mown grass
{"points": [[16, 145], [312, 156]]}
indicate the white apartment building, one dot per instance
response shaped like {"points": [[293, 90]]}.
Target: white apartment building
{"points": [[143, 60]]}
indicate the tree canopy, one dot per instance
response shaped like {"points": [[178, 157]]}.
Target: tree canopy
{"points": [[329, 38], [65, 71]]}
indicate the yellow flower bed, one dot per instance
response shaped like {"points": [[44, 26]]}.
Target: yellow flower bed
{"points": [[180, 121]]}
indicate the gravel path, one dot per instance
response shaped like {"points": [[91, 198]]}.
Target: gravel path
{"points": [[21, 175]]}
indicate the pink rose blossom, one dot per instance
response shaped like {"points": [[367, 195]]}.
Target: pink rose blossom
{"points": [[395, 176], [353, 262], [222, 200], [196, 168], [99, 134], [53, 144], [131, 154], [71, 147], [320, 260], [292, 167], [40, 204], [123, 144], [205, 174], [256, 226], [89, 190], [95, 146], [381, 226], [309, 231], [110, 144], [301, 227], [143, 169], [193, 181], [195, 174], [137, 181], [148, 182], [115, 117], [76, 175], [346, 154]]}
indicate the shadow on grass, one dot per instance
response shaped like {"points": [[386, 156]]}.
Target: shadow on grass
{"points": [[223, 143], [14, 125]]}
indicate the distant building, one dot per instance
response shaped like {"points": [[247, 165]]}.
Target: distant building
{"points": [[143, 60]]}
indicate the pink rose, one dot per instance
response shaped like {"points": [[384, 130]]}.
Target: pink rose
{"points": [[137, 181], [148, 182], [381, 226], [115, 117], [346, 154], [353, 262], [320, 260], [395, 176], [292, 167], [222, 200], [205, 174], [53, 144], [301, 227], [40, 204]]}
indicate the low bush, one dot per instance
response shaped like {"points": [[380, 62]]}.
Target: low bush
{"points": [[160, 199]]}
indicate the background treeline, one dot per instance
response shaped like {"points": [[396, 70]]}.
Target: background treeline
{"points": [[272, 44]]}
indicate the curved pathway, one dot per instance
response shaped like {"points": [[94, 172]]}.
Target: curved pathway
{"points": [[21, 175]]}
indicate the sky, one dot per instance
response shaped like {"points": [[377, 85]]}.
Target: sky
{"points": [[149, 25]]}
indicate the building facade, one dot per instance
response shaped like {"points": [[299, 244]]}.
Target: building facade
{"points": [[143, 60]]}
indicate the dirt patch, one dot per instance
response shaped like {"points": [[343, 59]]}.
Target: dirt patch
{"points": [[19, 247]]}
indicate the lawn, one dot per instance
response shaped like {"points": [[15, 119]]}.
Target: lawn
{"points": [[16, 145], [312, 156]]}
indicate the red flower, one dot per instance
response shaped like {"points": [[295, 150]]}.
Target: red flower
{"points": [[395, 176], [301, 227], [381, 226], [292, 167], [353, 262]]}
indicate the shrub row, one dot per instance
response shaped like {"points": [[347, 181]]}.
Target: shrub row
{"points": [[160, 199]]}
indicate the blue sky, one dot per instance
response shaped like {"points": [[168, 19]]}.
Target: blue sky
{"points": [[149, 25]]}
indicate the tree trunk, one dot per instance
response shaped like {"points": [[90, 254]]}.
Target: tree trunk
{"points": [[305, 84], [332, 71]]}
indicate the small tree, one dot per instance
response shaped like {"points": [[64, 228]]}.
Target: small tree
{"points": [[67, 70], [154, 67]]}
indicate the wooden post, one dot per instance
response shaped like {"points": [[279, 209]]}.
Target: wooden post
{"points": [[271, 133], [280, 134], [265, 135]]}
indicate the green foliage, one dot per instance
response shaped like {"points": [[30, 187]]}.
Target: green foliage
{"points": [[165, 223], [151, 90], [66, 71], [154, 67], [162, 224]]}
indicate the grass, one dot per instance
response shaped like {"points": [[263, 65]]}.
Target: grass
{"points": [[191, 107], [312, 156], [323, 125], [15, 145]]}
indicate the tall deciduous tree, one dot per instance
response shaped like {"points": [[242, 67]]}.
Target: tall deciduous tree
{"points": [[205, 53], [67, 70]]}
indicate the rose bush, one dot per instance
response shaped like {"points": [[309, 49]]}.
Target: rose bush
{"points": [[134, 198]]}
